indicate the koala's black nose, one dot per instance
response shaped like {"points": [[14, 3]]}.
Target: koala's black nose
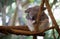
{"points": [[33, 18], [44, 8]]}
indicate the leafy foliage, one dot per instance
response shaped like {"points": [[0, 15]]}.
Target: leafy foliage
{"points": [[6, 2], [9, 3], [31, 1]]}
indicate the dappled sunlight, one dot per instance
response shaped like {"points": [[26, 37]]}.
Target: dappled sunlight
{"points": [[0, 21], [13, 5], [40, 37], [56, 14], [13, 14]]}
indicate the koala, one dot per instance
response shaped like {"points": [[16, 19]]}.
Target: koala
{"points": [[32, 15]]}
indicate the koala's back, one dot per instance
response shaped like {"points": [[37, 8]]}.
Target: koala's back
{"points": [[42, 17]]}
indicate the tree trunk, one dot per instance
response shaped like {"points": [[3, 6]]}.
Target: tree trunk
{"points": [[19, 14], [4, 15], [34, 37]]}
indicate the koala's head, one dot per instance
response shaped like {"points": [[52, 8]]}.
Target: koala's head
{"points": [[32, 12]]}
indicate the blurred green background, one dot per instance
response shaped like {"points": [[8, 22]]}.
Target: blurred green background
{"points": [[7, 10]]}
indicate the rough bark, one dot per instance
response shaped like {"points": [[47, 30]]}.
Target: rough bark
{"points": [[18, 31]]}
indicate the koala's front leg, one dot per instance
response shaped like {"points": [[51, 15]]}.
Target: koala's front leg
{"points": [[29, 23]]}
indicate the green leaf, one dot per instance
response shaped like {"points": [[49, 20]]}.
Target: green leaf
{"points": [[31, 1]]}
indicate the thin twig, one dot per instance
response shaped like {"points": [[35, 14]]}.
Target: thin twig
{"points": [[54, 34]]}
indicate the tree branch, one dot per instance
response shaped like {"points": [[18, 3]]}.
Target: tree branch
{"points": [[52, 17], [20, 30]]}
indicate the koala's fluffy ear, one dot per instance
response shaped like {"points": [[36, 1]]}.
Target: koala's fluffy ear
{"points": [[28, 10]]}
